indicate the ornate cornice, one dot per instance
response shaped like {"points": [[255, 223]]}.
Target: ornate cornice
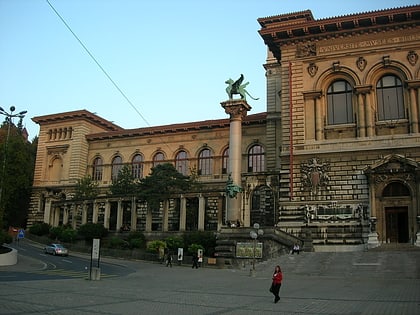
{"points": [[301, 26]]}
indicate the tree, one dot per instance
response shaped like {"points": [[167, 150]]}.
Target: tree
{"points": [[125, 184], [163, 181], [17, 156], [86, 188]]}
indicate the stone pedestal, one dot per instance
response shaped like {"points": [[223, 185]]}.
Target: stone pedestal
{"points": [[237, 109], [417, 243], [373, 240]]}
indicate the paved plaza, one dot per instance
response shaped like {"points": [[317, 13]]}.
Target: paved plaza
{"points": [[373, 282]]}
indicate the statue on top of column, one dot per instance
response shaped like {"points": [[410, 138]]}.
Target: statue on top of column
{"points": [[236, 87]]}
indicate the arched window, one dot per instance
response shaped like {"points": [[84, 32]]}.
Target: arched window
{"points": [[256, 159], [395, 189], [158, 159], [116, 167], [225, 161], [205, 162], [97, 169], [181, 162], [389, 95], [339, 103], [137, 166]]}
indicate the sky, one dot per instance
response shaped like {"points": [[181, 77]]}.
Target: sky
{"points": [[141, 63]]}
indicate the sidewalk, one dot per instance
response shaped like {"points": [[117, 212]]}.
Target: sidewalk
{"points": [[359, 283]]}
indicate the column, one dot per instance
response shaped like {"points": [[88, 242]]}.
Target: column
{"points": [[107, 214], [361, 122], [201, 212], [165, 210], [95, 212], [237, 109], [149, 218], [414, 112], [318, 120], [47, 212], [183, 213], [65, 215], [133, 223], [119, 215], [84, 213], [73, 216]]}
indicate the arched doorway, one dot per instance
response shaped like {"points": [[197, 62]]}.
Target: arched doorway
{"points": [[262, 206], [396, 198]]}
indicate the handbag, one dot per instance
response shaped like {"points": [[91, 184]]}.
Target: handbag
{"points": [[271, 288]]}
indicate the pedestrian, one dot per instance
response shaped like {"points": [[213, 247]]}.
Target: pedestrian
{"points": [[195, 261], [276, 283], [296, 249], [169, 260]]}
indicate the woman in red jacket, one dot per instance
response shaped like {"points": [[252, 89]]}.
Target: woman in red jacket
{"points": [[276, 284]]}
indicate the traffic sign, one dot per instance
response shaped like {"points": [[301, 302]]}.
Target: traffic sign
{"points": [[21, 233]]}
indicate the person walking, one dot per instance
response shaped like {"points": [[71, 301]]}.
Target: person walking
{"points": [[195, 261], [276, 283], [169, 260]]}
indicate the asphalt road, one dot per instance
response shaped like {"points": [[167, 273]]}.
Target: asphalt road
{"points": [[48, 267]]}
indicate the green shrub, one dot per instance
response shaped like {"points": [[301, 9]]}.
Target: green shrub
{"points": [[5, 238], [137, 243], [89, 231], [205, 238], [55, 232], [153, 246], [193, 248], [118, 243], [40, 229], [68, 235], [174, 242]]}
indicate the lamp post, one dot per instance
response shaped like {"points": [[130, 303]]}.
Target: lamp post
{"points": [[9, 117], [254, 235]]}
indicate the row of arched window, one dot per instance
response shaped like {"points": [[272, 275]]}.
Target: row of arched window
{"points": [[182, 161], [389, 101]]}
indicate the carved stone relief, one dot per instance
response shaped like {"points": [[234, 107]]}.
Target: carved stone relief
{"points": [[361, 63], [412, 57], [315, 174], [312, 69], [306, 50]]}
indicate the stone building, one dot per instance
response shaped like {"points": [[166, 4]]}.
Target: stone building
{"points": [[333, 162], [343, 118]]}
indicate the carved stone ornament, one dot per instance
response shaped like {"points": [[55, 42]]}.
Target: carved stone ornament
{"points": [[312, 69], [361, 63], [306, 50], [315, 174], [412, 57]]}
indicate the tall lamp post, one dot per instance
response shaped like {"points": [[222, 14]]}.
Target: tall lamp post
{"points": [[10, 117], [254, 235]]}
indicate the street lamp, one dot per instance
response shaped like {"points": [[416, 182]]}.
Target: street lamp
{"points": [[254, 235], [10, 117]]}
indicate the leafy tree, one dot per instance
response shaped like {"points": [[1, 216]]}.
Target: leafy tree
{"points": [[86, 188], [125, 184], [163, 181], [92, 230], [17, 157]]}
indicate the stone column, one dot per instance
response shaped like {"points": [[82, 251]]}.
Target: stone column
{"points": [[133, 223], [165, 215], [47, 212], [84, 213], [182, 213], [107, 214], [66, 215], [413, 111], [237, 109], [201, 212], [119, 215], [95, 212]]}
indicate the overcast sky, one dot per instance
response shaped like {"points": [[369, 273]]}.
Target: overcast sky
{"points": [[166, 61]]}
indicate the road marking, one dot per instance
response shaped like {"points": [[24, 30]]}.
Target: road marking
{"points": [[367, 264]]}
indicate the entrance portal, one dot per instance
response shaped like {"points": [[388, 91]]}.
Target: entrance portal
{"points": [[396, 224]]}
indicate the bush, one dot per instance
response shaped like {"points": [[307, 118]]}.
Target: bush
{"points": [[55, 232], [137, 243], [206, 239], [68, 235], [174, 242], [40, 229], [193, 249], [89, 231], [5, 238], [117, 243], [153, 246]]}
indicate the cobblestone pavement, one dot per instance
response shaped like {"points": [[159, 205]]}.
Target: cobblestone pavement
{"points": [[374, 282]]}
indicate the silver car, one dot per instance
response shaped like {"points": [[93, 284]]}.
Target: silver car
{"points": [[56, 249]]}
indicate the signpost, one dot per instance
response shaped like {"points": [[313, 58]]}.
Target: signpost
{"points": [[95, 272]]}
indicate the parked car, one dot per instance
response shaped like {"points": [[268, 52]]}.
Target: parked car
{"points": [[56, 249]]}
